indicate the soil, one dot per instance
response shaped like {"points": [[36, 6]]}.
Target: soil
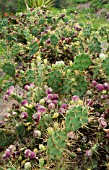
{"points": [[5, 105]]}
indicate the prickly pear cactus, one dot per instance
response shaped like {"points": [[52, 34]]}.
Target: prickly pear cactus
{"points": [[7, 137], [105, 66], [94, 46], [87, 31], [16, 97], [56, 144], [76, 118], [20, 130], [54, 80], [82, 62], [81, 86]]}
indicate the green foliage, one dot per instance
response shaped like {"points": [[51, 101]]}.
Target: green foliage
{"points": [[54, 80], [56, 144], [82, 62], [76, 118], [105, 66], [33, 48], [94, 45], [7, 137], [11, 6], [20, 130], [54, 39], [9, 69], [38, 3], [81, 86], [87, 31], [17, 98], [30, 74]]}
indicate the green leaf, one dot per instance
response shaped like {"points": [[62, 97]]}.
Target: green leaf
{"points": [[33, 48], [54, 39], [20, 129], [11, 168], [9, 69]]}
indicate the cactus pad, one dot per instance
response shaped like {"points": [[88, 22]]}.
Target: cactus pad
{"points": [[76, 118], [82, 62]]}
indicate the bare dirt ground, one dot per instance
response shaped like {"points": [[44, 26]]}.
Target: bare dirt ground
{"points": [[5, 105]]}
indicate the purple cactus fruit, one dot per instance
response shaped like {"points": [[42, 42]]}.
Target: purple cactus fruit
{"points": [[48, 41], [78, 28], [89, 102], [63, 38], [106, 86], [51, 106], [24, 103], [12, 87], [31, 9], [10, 91], [44, 50], [37, 105], [62, 15], [7, 115], [107, 135], [36, 117], [94, 83], [27, 87], [75, 98], [99, 87], [55, 101], [24, 115], [12, 148], [41, 109], [102, 122], [71, 135], [32, 85], [62, 110], [50, 96], [68, 39], [48, 101], [88, 153], [17, 75], [27, 152], [38, 13], [6, 97], [55, 96], [7, 153], [104, 96], [49, 90], [45, 31], [17, 153], [64, 106], [32, 155]]}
